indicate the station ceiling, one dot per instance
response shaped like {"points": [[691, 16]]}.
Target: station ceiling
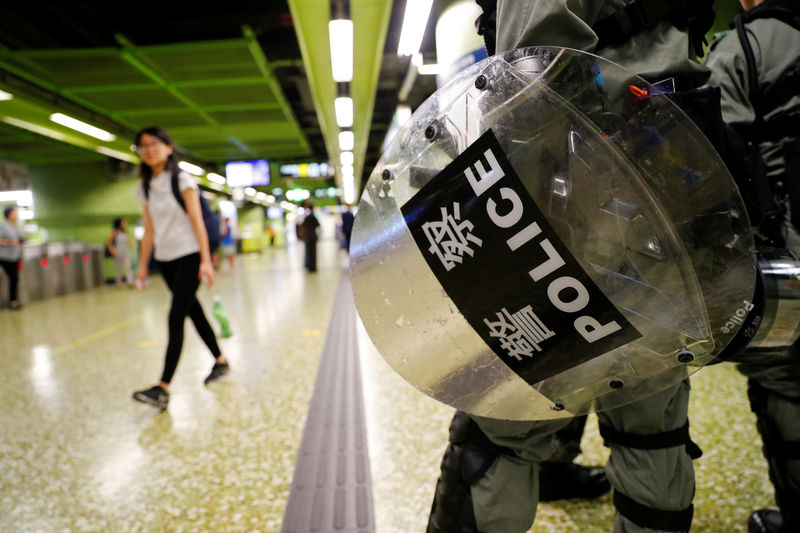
{"points": [[232, 81]]}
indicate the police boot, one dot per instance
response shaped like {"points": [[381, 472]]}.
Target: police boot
{"points": [[765, 521], [467, 458], [562, 481]]}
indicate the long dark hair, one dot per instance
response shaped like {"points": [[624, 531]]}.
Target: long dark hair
{"points": [[118, 223], [144, 169]]}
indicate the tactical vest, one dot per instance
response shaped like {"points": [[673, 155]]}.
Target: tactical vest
{"points": [[781, 129]]}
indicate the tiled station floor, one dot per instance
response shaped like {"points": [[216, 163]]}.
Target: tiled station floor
{"points": [[78, 454]]}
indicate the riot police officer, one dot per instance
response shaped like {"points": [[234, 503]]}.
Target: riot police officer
{"points": [[489, 481], [757, 67]]}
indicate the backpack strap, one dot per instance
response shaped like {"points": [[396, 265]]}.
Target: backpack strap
{"points": [[752, 70], [176, 190], [784, 89]]}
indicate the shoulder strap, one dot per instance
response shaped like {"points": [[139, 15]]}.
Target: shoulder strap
{"points": [[752, 68], [784, 88], [787, 11], [694, 16], [176, 190]]}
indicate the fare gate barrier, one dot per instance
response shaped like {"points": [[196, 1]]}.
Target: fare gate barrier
{"points": [[70, 268], [80, 255], [52, 271], [31, 275], [97, 254]]}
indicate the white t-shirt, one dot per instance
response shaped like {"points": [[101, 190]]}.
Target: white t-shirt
{"points": [[174, 237]]}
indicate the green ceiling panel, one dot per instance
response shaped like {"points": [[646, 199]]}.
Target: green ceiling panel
{"points": [[169, 120], [125, 100], [232, 94], [247, 116], [255, 131], [85, 70], [203, 64], [221, 95]]}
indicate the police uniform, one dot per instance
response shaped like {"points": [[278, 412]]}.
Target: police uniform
{"points": [[650, 467], [762, 102]]}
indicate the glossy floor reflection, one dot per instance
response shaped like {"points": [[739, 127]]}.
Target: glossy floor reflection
{"points": [[407, 434], [77, 454]]}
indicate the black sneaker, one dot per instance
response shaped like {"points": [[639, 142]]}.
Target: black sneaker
{"points": [[219, 370], [563, 481], [766, 521], [154, 396]]}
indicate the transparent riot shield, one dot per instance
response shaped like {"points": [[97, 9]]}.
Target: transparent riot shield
{"points": [[549, 235]]}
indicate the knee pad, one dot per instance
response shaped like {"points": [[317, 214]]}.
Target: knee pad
{"points": [[638, 513], [469, 455]]}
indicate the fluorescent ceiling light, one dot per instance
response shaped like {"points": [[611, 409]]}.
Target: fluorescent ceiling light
{"points": [[271, 199], [116, 154], [347, 170], [346, 158], [344, 111], [23, 198], [414, 22], [216, 178], [261, 195], [249, 191], [349, 189], [47, 132], [425, 70], [346, 140], [191, 169], [77, 125], [6, 96], [341, 37], [403, 114]]}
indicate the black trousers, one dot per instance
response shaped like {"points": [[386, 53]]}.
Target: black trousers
{"points": [[10, 268], [181, 278], [311, 255]]}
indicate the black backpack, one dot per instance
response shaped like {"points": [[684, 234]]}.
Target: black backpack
{"points": [[210, 218]]}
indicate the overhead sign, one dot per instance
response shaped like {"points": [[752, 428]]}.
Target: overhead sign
{"points": [[307, 170], [247, 173]]}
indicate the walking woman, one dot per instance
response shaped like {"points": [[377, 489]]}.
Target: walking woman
{"points": [[10, 254], [181, 247], [117, 244]]}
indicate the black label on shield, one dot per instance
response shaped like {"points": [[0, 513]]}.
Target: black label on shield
{"points": [[507, 271]]}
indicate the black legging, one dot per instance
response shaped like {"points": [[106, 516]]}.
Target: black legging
{"points": [[12, 272], [181, 278]]}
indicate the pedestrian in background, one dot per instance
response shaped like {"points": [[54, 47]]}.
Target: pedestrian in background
{"points": [[310, 234], [119, 247], [11, 254], [228, 244]]}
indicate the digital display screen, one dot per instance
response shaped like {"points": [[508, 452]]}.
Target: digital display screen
{"points": [[247, 173]]}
